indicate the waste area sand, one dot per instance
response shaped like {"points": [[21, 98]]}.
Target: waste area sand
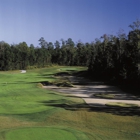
{"points": [[88, 90]]}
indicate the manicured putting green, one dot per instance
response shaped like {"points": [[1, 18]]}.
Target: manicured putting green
{"points": [[120, 104], [46, 133]]}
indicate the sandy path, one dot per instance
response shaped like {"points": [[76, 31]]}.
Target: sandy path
{"points": [[87, 93]]}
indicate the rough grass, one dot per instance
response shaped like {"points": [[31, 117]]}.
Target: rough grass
{"points": [[26, 108], [64, 84], [120, 104], [105, 95], [97, 125]]}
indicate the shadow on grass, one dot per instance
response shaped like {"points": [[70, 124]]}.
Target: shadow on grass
{"points": [[69, 105], [36, 116], [114, 95], [65, 104], [24, 82], [42, 75], [18, 82], [122, 111], [62, 74]]}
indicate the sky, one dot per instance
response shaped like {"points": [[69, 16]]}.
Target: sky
{"points": [[84, 20]]}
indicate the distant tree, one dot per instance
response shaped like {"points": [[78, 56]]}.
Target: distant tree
{"points": [[57, 45], [24, 54], [2, 48], [69, 42], [42, 42], [63, 42], [32, 56]]}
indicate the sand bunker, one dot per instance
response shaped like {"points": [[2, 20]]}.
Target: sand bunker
{"points": [[88, 91]]}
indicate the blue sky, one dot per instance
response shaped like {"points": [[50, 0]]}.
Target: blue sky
{"points": [[85, 20]]}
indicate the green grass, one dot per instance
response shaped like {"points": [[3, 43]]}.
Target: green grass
{"points": [[48, 133], [24, 99], [19, 93], [27, 108]]}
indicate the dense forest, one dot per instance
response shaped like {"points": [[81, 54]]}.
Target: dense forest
{"points": [[109, 57]]}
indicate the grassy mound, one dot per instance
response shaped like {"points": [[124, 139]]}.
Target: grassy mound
{"points": [[47, 133], [120, 104], [56, 83], [64, 84], [19, 107], [105, 95]]}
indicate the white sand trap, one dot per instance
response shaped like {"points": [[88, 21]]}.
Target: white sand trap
{"points": [[87, 93], [92, 101]]}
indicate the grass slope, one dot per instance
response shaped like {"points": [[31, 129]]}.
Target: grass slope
{"points": [[26, 108]]}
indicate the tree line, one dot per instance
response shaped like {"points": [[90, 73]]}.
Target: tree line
{"points": [[22, 56], [109, 57]]}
